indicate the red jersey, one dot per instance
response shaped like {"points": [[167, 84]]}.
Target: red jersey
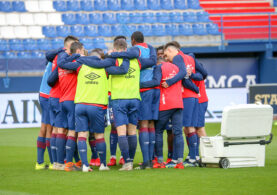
{"points": [[55, 91], [170, 97], [202, 90], [190, 63]]}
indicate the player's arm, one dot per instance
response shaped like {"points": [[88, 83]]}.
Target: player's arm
{"points": [[187, 83], [96, 62], [131, 53], [156, 80], [178, 61], [70, 65], [151, 61], [199, 68], [117, 70], [53, 77], [65, 58], [50, 55]]}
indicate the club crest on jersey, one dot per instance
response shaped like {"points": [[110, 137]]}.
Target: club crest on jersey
{"points": [[130, 71], [92, 76]]}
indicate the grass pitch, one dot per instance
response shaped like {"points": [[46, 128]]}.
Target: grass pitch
{"points": [[17, 174]]}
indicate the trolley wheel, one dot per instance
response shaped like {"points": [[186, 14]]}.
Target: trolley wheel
{"points": [[224, 163]]}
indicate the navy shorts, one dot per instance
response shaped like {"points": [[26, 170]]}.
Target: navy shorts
{"points": [[149, 105], [110, 111], [56, 116], [45, 110], [125, 111], [202, 108], [68, 112], [190, 113], [90, 118], [169, 125]]}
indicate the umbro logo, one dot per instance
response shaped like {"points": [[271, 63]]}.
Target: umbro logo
{"points": [[92, 76], [131, 70]]}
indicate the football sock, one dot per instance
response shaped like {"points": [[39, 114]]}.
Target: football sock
{"points": [[53, 147], [41, 145], [124, 147], [159, 145], [151, 142], [60, 143], [113, 142], [101, 150], [144, 143], [76, 154], [92, 144], [70, 148], [82, 147], [192, 138], [132, 141], [178, 144], [197, 147], [49, 150]]}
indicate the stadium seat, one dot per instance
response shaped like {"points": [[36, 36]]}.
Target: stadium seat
{"points": [[69, 18], [162, 17], [172, 29], [32, 6], [189, 17], [18, 6], [145, 29], [38, 54], [3, 21], [88, 43], [49, 31], [4, 45], [96, 18], [63, 31], [23, 54], [55, 18], [7, 32], [100, 5], [30, 44], [9, 54], [193, 4], [57, 43], [105, 30], [122, 18], [27, 19], [158, 30], [202, 16], [149, 17], [199, 29], [6, 6], [140, 4], [116, 30], [73, 5], [212, 29], [44, 44], [166, 4], [129, 29], [41, 19], [99, 43], [136, 18], [77, 31], [91, 30], [127, 4], [21, 32], [185, 29], [153, 4], [46, 6], [13, 19], [35, 32], [16, 45], [180, 4], [114, 5], [176, 17], [60, 6], [109, 18], [86, 5], [82, 18]]}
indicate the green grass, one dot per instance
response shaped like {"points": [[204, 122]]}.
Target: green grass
{"points": [[17, 174]]}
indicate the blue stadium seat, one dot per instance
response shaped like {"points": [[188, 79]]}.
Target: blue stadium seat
{"points": [[99, 43], [82, 18], [193, 4], [73, 5], [158, 30], [19, 6], [166, 4], [38, 54], [23, 54], [162, 17], [136, 18], [176, 17], [6, 6], [127, 4], [69, 18], [180, 4], [16, 45], [202, 16], [105, 30], [77, 31], [49, 31], [4, 45], [57, 43], [172, 29], [100, 5], [185, 29], [96, 18], [149, 17], [30, 44], [153, 4], [129, 29], [117, 30], [44, 44], [199, 29], [91, 31], [109, 18], [114, 5], [122, 18], [86, 5], [145, 29], [212, 29], [88, 43], [60, 6], [189, 17], [140, 4], [9, 54], [63, 31]]}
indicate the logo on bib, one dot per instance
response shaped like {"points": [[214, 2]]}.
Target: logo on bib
{"points": [[130, 71], [92, 76]]}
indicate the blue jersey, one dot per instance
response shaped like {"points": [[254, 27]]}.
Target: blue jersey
{"points": [[44, 87]]}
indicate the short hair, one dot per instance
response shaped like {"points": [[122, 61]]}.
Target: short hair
{"points": [[120, 44], [160, 48], [138, 37], [97, 52], [177, 44], [70, 38], [76, 45], [119, 37], [171, 44]]}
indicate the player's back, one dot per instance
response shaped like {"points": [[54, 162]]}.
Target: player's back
{"points": [[55, 90], [44, 87]]}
